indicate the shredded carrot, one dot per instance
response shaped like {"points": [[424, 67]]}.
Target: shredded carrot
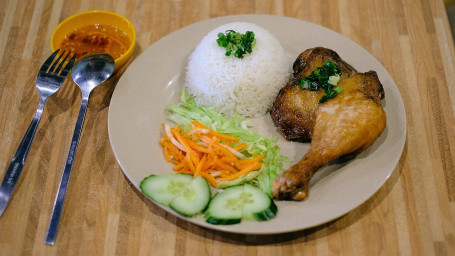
{"points": [[249, 168], [214, 133], [166, 155], [199, 166], [240, 146], [208, 153]]}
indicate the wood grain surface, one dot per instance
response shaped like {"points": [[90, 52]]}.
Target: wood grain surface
{"points": [[412, 214]]}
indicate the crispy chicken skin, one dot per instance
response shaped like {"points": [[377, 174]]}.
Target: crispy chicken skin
{"points": [[293, 111], [312, 58], [343, 127]]}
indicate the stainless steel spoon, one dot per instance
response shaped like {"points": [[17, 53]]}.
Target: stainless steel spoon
{"points": [[88, 73]]}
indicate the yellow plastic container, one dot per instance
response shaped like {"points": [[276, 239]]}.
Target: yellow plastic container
{"points": [[96, 17]]}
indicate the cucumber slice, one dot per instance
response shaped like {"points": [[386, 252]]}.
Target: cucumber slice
{"points": [[181, 192], [261, 207], [163, 188], [225, 207], [243, 201], [193, 199]]}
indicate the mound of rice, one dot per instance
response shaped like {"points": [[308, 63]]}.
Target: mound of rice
{"points": [[231, 85]]}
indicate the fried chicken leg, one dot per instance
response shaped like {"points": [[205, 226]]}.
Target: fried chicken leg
{"points": [[344, 126]]}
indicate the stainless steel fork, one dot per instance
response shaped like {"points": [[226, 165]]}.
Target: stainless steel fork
{"points": [[48, 81]]}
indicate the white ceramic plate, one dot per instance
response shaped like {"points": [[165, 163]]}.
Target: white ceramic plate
{"points": [[153, 80]]}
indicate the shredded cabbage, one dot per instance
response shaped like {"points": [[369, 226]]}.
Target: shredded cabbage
{"points": [[187, 110]]}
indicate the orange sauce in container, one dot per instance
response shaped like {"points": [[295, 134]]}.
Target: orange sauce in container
{"points": [[96, 38]]}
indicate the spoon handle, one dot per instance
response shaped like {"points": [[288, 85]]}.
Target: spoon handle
{"points": [[58, 204]]}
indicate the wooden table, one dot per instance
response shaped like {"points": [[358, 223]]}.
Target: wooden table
{"points": [[412, 214]]}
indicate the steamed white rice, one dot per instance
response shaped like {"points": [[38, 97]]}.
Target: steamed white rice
{"points": [[231, 85]]}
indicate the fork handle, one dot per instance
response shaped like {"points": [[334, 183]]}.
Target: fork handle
{"points": [[58, 204], [18, 161]]}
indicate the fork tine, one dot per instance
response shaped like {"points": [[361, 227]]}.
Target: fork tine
{"points": [[48, 62], [52, 69], [57, 70], [68, 66]]}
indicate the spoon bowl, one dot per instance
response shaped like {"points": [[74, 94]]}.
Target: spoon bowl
{"points": [[88, 73], [92, 71]]}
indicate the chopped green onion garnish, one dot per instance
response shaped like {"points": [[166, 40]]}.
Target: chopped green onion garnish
{"points": [[236, 43], [325, 77]]}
